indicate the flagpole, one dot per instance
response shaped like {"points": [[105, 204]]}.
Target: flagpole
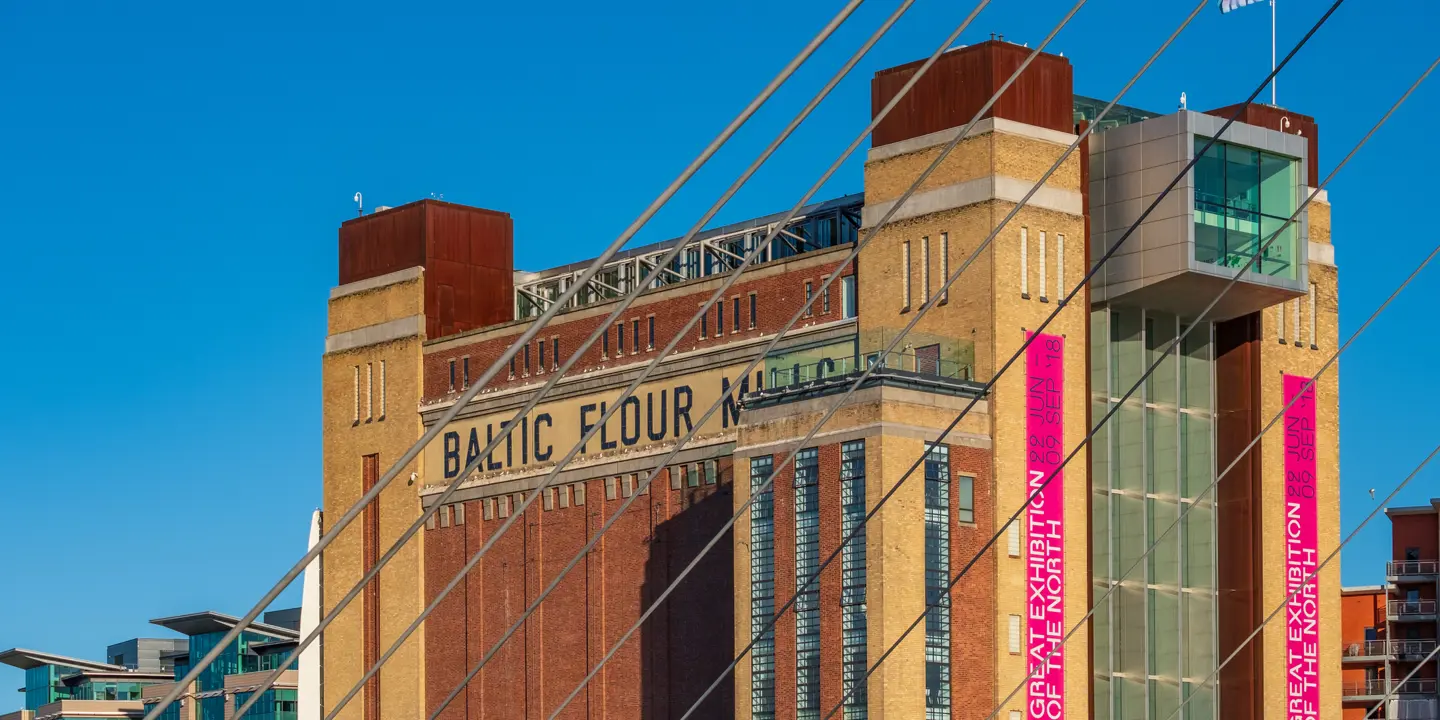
{"points": [[1272, 52]]}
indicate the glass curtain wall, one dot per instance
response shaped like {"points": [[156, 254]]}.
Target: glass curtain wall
{"points": [[1155, 638], [762, 591], [852, 577], [937, 581], [807, 603], [1242, 197]]}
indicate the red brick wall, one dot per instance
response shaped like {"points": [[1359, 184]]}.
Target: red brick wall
{"points": [[659, 670], [778, 297], [1358, 612], [972, 602], [1407, 531]]}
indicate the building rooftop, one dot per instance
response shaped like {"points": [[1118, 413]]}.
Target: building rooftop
{"points": [[26, 659], [210, 621]]}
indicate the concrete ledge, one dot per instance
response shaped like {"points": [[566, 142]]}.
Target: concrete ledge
{"points": [[377, 282], [972, 192], [1000, 125], [412, 326], [1322, 253], [1322, 197]]}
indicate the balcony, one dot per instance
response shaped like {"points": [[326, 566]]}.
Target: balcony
{"points": [[1411, 610], [1379, 651], [1374, 690], [1413, 571]]}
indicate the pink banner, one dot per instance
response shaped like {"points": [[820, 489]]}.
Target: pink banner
{"points": [[1302, 613], [1045, 527]]}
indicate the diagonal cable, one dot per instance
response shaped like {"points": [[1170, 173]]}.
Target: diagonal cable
{"points": [[560, 373], [1311, 578], [814, 576], [1276, 419], [945, 151], [409, 456], [1394, 687], [1036, 333]]}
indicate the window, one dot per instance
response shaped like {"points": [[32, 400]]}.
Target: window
{"points": [[924, 269], [1014, 635], [527, 360], [1012, 540], [847, 296], [965, 500], [807, 601], [619, 339], [944, 266], [369, 391], [1280, 322], [465, 372], [762, 591], [1025, 263], [1314, 346], [1295, 305], [704, 322], [1059, 265], [382, 389], [634, 336], [752, 311], [1412, 554], [512, 367], [937, 581], [853, 624], [555, 353], [1043, 296], [809, 298], [540, 348], [735, 315], [604, 346], [650, 322], [719, 319], [824, 296], [905, 276], [357, 387], [1243, 198]]}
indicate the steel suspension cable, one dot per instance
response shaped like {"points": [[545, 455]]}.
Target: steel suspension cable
{"points": [[1393, 688], [589, 273], [1032, 337], [946, 149], [1311, 578], [555, 378], [602, 328], [814, 576], [1335, 356]]}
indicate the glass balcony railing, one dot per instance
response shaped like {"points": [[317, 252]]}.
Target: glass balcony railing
{"points": [[1381, 686], [1403, 608], [1412, 567], [1400, 649], [797, 374]]}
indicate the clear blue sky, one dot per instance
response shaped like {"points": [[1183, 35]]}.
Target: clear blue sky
{"points": [[171, 179]]}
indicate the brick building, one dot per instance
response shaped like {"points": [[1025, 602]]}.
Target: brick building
{"points": [[1388, 630], [429, 298]]}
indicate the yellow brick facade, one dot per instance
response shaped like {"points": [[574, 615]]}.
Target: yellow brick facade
{"points": [[354, 425]]}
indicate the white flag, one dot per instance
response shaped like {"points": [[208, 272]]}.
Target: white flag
{"points": [[1228, 5]]}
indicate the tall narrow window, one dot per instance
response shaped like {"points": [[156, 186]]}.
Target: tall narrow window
{"points": [[382, 389], [704, 322], [465, 372], [540, 348], [1025, 263], [619, 339], [924, 269], [1280, 322], [735, 315], [905, 276], [1296, 313], [853, 626], [719, 319], [762, 591], [824, 296], [944, 266], [527, 359], [357, 387], [369, 555], [752, 310], [1313, 344], [635, 336], [937, 580], [555, 353], [512, 366], [807, 602], [650, 332], [604, 349], [369, 391], [847, 296], [1014, 635], [1043, 296], [357, 383], [965, 499], [1059, 265], [1012, 540]]}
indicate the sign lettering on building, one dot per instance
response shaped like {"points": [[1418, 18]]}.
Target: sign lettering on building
{"points": [[1302, 612], [1045, 527], [657, 412]]}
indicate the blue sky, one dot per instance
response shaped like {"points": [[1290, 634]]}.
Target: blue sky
{"points": [[171, 178]]}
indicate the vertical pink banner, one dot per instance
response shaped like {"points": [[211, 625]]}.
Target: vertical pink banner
{"points": [[1302, 613], [1045, 527]]}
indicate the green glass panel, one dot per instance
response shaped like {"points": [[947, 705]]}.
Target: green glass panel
{"points": [[1165, 558], [1195, 456], [1198, 531], [1164, 634], [1129, 448], [1160, 331], [1195, 369], [1127, 353], [1164, 699], [1160, 456], [1242, 178], [1277, 185]]}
